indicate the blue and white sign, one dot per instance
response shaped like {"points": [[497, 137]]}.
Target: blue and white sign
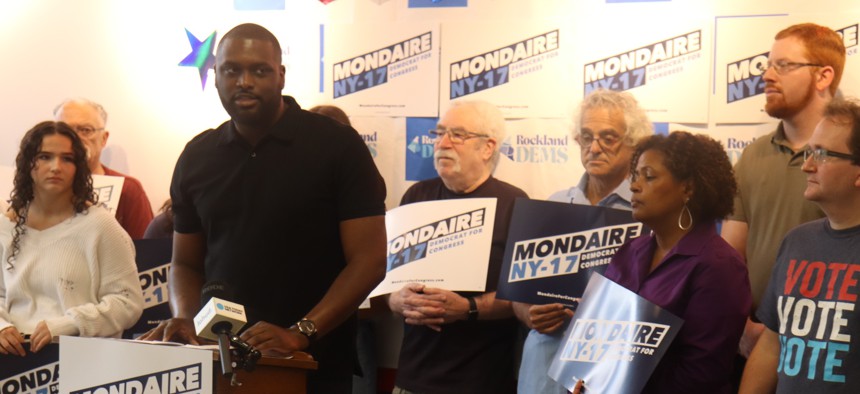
{"points": [[369, 69], [615, 340], [519, 70], [444, 244], [554, 247]]}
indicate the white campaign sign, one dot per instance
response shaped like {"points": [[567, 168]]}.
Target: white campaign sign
{"points": [[369, 69], [523, 71], [666, 66], [102, 365], [444, 244], [109, 190]]}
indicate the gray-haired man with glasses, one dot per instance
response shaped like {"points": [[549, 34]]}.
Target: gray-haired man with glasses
{"points": [[88, 119], [804, 69], [461, 342], [810, 307], [607, 127]]}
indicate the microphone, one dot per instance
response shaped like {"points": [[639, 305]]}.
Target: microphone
{"points": [[218, 315], [218, 319]]}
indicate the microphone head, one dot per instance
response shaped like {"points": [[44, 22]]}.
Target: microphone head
{"points": [[218, 315]]}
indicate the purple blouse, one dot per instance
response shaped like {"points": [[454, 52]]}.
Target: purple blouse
{"points": [[704, 281]]}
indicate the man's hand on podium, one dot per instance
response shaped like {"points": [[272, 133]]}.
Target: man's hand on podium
{"points": [[273, 340], [173, 330], [11, 342]]}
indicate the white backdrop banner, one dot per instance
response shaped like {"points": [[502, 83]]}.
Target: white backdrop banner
{"points": [[523, 71], [665, 66], [743, 45], [369, 70]]}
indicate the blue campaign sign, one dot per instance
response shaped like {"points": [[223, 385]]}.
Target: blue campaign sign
{"points": [[33, 373], [553, 248], [615, 341], [153, 261]]}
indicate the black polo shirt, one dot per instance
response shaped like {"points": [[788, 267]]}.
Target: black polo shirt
{"points": [[270, 214]]}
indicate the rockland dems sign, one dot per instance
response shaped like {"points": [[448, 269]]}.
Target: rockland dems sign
{"points": [[377, 67], [536, 149], [629, 70], [173, 381], [745, 78], [371, 140], [498, 67], [434, 237]]}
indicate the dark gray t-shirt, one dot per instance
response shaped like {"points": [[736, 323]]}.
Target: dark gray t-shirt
{"points": [[811, 303]]}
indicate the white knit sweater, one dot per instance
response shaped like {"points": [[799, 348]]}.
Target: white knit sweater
{"points": [[79, 276]]}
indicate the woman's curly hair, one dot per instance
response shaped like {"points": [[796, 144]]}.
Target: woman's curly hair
{"points": [[702, 161], [23, 191]]}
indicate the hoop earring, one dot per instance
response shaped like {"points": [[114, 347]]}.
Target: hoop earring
{"points": [[686, 210]]}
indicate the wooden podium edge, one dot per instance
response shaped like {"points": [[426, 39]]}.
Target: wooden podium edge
{"points": [[300, 360]]}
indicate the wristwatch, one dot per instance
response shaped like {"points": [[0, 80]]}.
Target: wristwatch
{"points": [[307, 327], [473, 309]]}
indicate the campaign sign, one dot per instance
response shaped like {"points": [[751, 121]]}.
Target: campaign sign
{"points": [[539, 156], [36, 373], [554, 247], [666, 66], [153, 264], [108, 188], [615, 340], [103, 365], [444, 244], [519, 70], [383, 72]]}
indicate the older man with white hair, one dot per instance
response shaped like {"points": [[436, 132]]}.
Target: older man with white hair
{"points": [[461, 342], [88, 119], [608, 126]]}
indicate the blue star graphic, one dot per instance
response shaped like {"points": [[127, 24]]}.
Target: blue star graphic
{"points": [[201, 55]]}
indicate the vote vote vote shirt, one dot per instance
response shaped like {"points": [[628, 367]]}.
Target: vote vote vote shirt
{"points": [[811, 303]]}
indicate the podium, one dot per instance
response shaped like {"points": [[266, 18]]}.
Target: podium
{"points": [[271, 375]]}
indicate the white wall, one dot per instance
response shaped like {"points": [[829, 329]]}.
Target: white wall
{"points": [[124, 54]]}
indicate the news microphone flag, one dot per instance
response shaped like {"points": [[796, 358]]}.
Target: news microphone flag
{"points": [[216, 311]]}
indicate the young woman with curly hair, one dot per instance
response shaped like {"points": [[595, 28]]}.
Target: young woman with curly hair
{"points": [[67, 266]]}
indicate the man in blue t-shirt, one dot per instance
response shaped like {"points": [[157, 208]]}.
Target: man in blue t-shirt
{"points": [[810, 343]]}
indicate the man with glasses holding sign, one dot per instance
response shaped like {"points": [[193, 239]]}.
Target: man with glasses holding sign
{"points": [[88, 119], [810, 308], [461, 342], [608, 127], [802, 75]]}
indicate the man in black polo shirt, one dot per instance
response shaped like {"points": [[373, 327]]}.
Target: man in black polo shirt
{"points": [[461, 342], [283, 205]]}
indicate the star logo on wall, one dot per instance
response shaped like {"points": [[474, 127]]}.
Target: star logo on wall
{"points": [[201, 56]]}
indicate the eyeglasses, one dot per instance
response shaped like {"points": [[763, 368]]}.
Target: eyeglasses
{"points": [[821, 155], [782, 66], [604, 140], [456, 135], [86, 131]]}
